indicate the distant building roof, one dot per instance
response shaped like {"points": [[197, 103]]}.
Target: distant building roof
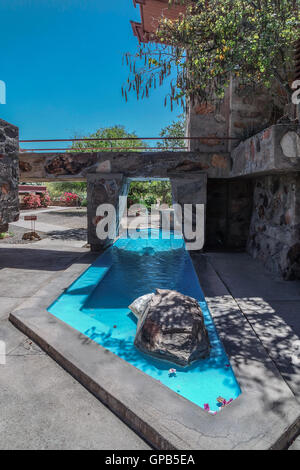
{"points": [[151, 12], [30, 188]]}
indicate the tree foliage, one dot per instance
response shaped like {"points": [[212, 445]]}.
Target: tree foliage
{"points": [[171, 133], [140, 191], [114, 132], [148, 192], [252, 40]]}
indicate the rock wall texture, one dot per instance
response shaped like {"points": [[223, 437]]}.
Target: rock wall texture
{"points": [[228, 214], [274, 236], [243, 113], [251, 111], [274, 150], [76, 166], [9, 174], [211, 124], [103, 189]]}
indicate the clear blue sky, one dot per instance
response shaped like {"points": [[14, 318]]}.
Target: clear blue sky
{"points": [[62, 64]]}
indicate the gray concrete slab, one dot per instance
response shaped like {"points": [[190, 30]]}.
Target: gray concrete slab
{"points": [[6, 306], [14, 282], [43, 407], [245, 277], [296, 444], [39, 226], [11, 336], [270, 305], [265, 416], [42, 211]]}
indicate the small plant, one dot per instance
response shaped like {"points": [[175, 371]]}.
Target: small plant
{"points": [[32, 201], [4, 235], [45, 199], [70, 199]]}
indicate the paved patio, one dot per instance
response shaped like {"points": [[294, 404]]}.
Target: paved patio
{"points": [[43, 407]]}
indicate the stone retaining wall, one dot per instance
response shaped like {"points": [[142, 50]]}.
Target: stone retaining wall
{"points": [[274, 236], [9, 174]]}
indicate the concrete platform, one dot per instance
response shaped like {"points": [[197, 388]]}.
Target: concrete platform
{"points": [[42, 406], [270, 305], [265, 416], [296, 444]]}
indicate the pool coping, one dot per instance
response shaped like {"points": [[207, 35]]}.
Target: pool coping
{"points": [[265, 416]]}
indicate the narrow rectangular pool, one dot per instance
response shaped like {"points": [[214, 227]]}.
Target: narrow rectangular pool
{"points": [[96, 305]]}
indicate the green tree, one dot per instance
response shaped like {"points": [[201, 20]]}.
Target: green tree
{"points": [[58, 189], [149, 192], [172, 132], [140, 191], [109, 134], [252, 40]]}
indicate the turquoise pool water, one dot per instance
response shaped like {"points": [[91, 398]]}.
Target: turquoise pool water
{"points": [[96, 304]]}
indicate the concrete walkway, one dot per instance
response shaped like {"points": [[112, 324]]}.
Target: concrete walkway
{"points": [[271, 306], [296, 444], [42, 211], [42, 406], [41, 226]]}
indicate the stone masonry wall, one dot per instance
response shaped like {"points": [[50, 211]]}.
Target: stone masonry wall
{"points": [[251, 111], [274, 236], [243, 113], [204, 120], [9, 174]]}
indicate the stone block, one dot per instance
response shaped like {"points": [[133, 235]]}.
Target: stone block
{"points": [[9, 174]]}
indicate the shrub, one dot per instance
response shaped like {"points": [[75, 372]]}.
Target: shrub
{"points": [[32, 201], [45, 199], [58, 189], [71, 199]]}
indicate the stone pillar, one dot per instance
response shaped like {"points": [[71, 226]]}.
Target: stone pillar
{"points": [[9, 174], [190, 189], [274, 236], [103, 188]]}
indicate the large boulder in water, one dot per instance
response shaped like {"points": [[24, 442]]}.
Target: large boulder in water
{"points": [[171, 327]]}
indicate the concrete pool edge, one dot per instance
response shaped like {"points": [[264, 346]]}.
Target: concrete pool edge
{"points": [[265, 416]]}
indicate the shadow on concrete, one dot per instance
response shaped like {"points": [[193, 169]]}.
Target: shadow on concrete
{"points": [[41, 259], [70, 213], [79, 234], [271, 311]]}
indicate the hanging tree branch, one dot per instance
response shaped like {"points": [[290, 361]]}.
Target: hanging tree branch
{"points": [[213, 41]]}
